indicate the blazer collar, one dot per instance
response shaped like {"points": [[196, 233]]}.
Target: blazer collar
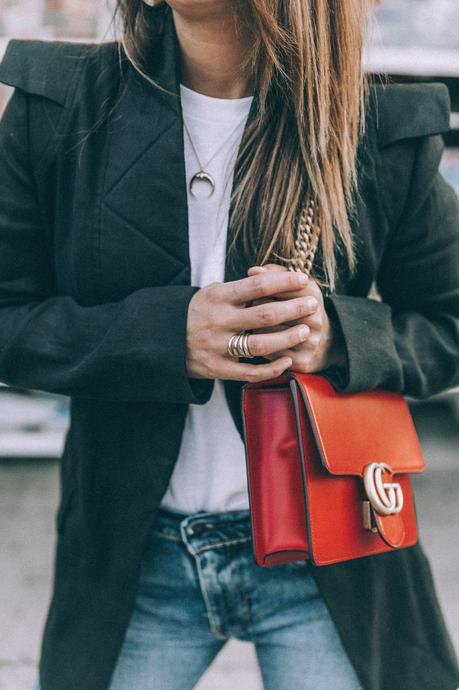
{"points": [[163, 63]]}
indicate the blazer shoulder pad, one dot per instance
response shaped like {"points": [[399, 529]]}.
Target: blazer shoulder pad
{"points": [[405, 111], [43, 68]]}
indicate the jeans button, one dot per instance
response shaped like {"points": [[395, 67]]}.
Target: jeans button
{"points": [[198, 527]]}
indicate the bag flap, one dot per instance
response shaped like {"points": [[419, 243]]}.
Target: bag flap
{"points": [[355, 429]]}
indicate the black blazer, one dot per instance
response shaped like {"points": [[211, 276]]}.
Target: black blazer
{"points": [[94, 291]]}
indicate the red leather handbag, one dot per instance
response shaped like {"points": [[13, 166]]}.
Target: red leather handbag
{"points": [[328, 473]]}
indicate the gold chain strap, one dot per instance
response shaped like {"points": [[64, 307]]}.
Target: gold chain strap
{"points": [[306, 241]]}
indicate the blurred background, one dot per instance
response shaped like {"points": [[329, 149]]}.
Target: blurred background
{"points": [[410, 40]]}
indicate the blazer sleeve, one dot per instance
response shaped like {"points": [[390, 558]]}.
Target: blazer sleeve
{"points": [[130, 350], [409, 341]]}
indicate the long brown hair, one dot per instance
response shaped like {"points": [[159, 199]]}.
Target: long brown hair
{"points": [[305, 59]]}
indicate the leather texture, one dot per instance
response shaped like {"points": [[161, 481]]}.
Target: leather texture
{"points": [[374, 426], [307, 447], [274, 475]]}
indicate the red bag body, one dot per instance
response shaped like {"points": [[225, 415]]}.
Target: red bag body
{"points": [[328, 473]]}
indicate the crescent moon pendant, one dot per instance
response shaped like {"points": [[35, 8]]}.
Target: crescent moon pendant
{"points": [[202, 176]]}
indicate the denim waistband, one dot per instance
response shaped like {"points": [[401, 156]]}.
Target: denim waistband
{"points": [[204, 530]]}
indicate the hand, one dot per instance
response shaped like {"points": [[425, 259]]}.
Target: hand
{"points": [[322, 348], [219, 310]]}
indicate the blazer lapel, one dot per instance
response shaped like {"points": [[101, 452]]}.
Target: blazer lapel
{"points": [[144, 200], [145, 189]]}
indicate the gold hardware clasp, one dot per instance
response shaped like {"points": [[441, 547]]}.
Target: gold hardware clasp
{"points": [[367, 517]]}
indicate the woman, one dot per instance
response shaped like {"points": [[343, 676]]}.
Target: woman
{"points": [[121, 287]]}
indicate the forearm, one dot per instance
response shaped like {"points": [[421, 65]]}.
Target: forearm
{"points": [[336, 349], [134, 349]]}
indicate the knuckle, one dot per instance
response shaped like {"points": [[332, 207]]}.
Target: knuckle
{"points": [[266, 316], [259, 283], [317, 321], [211, 369], [235, 289], [307, 361], [293, 279], [295, 338], [301, 308], [213, 292], [251, 376], [314, 340], [281, 366], [310, 304]]}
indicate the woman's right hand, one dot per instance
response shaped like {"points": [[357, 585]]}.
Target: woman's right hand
{"points": [[219, 310]]}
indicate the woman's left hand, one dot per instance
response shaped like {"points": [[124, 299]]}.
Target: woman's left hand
{"points": [[322, 348]]}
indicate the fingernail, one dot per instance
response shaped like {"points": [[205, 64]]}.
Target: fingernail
{"points": [[302, 279], [259, 268], [304, 332], [312, 303]]}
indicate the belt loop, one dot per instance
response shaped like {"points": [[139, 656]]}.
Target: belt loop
{"points": [[186, 532]]}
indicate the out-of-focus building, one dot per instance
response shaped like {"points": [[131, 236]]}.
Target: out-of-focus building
{"points": [[419, 40], [52, 18], [419, 23], [78, 20]]}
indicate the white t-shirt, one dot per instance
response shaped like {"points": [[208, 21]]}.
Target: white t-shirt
{"points": [[210, 472]]}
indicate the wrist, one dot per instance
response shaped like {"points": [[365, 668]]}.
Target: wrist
{"points": [[337, 355]]}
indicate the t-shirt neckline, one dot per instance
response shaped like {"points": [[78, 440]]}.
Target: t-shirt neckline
{"points": [[211, 109]]}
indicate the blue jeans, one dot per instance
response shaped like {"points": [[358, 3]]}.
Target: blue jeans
{"points": [[199, 586]]}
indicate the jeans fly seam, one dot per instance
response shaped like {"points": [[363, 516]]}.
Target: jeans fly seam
{"points": [[213, 621]]}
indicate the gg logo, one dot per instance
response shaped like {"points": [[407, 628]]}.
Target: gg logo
{"points": [[386, 498]]}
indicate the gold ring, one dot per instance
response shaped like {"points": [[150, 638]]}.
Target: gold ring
{"points": [[238, 345]]}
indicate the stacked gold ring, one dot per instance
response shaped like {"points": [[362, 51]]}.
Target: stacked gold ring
{"points": [[238, 345]]}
